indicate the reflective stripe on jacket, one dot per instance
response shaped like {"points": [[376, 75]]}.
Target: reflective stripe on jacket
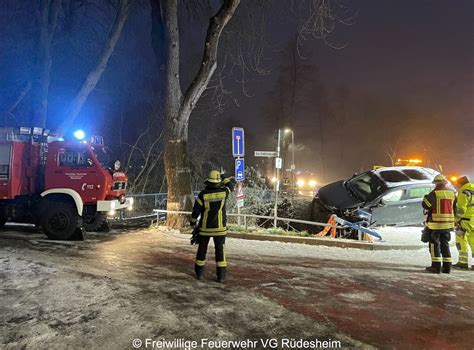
{"points": [[210, 205], [464, 205], [440, 204]]}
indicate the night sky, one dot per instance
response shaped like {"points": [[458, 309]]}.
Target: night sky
{"points": [[404, 81], [413, 53]]}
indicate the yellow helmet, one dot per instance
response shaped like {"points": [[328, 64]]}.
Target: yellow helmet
{"points": [[440, 178], [214, 177]]}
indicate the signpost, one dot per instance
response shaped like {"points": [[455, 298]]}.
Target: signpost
{"points": [[238, 145], [277, 182], [278, 163], [239, 170], [267, 154], [238, 151], [240, 196]]}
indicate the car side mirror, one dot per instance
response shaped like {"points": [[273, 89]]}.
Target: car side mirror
{"points": [[90, 162]]}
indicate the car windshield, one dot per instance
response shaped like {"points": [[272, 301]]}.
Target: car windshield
{"points": [[366, 186], [103, 155]]}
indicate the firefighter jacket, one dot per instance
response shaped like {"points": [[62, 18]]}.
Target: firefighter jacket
{"points": [[464, 205], [210, 206], [440, 205]]}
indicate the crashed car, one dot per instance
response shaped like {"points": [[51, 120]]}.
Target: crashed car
{"points": [[384, 196]]}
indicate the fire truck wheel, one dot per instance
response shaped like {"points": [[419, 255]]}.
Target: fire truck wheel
{"points": [[60, 220], [97, 223]]}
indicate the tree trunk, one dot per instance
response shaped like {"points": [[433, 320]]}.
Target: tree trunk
{"points": [[177, 167], [95, 74], [47, 16], [178, 107]]}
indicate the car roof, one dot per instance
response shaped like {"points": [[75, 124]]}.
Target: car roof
{"points": [[405, 175]]}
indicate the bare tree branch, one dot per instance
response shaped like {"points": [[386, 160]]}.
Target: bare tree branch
{"points": [[209, 61], [96, 73]]}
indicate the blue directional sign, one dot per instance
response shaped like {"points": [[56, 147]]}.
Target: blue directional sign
{"points": [[239, 170], [238, 146]]}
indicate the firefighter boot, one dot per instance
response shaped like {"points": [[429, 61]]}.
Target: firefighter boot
{"points": [[446, 267], [199, 270], [434, 268], [221, 272], [460, 266]]}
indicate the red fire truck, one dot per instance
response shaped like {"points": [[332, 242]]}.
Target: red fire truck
{"points": [[59, 185]]}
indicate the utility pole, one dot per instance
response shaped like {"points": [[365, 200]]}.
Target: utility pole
{"points": [[277, 182]]}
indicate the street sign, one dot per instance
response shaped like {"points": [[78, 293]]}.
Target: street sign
{"points": [[240, 203], [239, 170], [268, 154], [238, 145], [240, 191], [278, 163]]}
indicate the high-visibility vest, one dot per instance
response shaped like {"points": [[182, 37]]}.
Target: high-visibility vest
{"points": [[440, 204]]}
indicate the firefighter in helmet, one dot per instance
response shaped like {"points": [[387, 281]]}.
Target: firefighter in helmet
{"points": [[210, 206], [440, 221], [464, 213]]}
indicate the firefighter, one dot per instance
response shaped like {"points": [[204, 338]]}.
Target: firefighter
{"points": [[440, 221], [464, 213], [210, 207]]}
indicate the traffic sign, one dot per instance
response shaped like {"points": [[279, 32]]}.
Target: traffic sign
{"points": [[240, 191], [278, 163], [239, 170], [238, 145], [268, 154]]}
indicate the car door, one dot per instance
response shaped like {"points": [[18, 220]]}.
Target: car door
{"points": [[391, 208], [414, 197]]}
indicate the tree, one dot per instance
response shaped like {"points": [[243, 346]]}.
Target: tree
{"points": [[47, 18], [180, 102], [96, 72], [178, 105]]}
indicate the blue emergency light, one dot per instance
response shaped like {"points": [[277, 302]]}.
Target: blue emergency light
{"points": [[79, 134]]}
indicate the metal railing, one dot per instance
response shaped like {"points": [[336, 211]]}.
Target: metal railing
{"points": [[247, 219], [153, 205]]}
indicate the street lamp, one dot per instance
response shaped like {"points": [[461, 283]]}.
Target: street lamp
{"points": [[292, 159]]}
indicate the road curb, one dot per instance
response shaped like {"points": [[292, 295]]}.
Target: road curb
{"points": [[329, 242]]}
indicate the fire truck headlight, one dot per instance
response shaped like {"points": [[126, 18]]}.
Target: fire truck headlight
{"points": [[130, 200], [111, 213], [79, 134]]}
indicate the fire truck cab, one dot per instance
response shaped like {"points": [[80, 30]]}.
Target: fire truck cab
{"points": [[60, 185]]}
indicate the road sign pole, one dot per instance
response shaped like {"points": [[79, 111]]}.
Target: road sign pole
{"points": [[238, 216], [277, 182]]}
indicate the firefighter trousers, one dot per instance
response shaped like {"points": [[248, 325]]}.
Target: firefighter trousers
{"points": [[463, 243], [439, 247], [219, 245]]}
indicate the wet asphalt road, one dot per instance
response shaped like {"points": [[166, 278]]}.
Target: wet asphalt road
{"points": [[114, 288]]}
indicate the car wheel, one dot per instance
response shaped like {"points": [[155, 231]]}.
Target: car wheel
{"points": [[59, 220]]}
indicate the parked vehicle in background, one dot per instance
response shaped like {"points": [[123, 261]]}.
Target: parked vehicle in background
{"points": [[383, 196], [60, 185]]}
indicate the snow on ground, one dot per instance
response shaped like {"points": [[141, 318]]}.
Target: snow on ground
{"points": [[401, 235], [421, 257]]}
